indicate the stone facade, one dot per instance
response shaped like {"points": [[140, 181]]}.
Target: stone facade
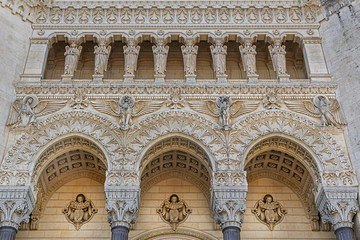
{"points": [[218, 103]]}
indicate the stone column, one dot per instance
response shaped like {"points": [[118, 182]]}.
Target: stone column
{"points": [[338, 205], [314, 60], [277, 53], [160, 51], [102, 53], [36, 60], [219, 52], [228, 196], [189, 52], [122, 204], [16, 204], [131, 54], [72, 55], [248, 55]]}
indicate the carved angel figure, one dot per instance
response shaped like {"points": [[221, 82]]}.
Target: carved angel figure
{"points": [[174, 211], [269, 212], [24, 112], [189, 52], [224, 109], [248, 52], [160, 52], [277, 52], [328, 111], [218, 52], [126, 108], [72, 55], [131, 52], [101, 57], [79, 211]]}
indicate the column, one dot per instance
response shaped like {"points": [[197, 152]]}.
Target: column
{"points": [[36, 60], [338, 205], [122, 204], [189, 52], [16, 204], [314, 60], [228, 197], [219, 52], [277, 53], [72, 55], [160, 51], [248, 55], [102, 53], [131, 54]]}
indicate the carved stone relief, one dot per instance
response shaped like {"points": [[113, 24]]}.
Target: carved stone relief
{"points": [[80, 211], [268, 211], [174, 211]]}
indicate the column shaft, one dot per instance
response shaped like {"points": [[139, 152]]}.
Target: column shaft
{"points": [[119, 233], [7, 233], [345, 233], [231, 233]]}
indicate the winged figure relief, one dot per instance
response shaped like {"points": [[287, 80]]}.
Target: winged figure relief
{"points": [[321, 107], [24, 112], [126, 108], [224, 108]]}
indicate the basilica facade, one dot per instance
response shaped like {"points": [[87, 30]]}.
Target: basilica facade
{"points": [[179, 119]]}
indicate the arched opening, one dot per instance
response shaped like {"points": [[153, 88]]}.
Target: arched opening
{"points": [[71, 166], [279, 167], [175, 165]]}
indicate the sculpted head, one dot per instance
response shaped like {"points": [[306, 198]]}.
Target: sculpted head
{"points": [[174, 198], [80, 198], [268, 198]]}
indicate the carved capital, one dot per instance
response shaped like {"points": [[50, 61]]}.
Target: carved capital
{"points": [[122, 204], [228, 204], [122, 178], [229, 178], [338, 205], [16, 204]]}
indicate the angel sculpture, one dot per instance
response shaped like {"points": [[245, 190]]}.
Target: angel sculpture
{"points": [[126, 108], [72, 55], [24, 112], [224, 109], [328, 111]]}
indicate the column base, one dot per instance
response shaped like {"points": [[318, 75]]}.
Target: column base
{"points": [[97, 78], [7, 233], [190, 78], [159, 78], [67, 77], [284, 78], [345, 233], [253, 78], [221, 78], [119, 233], [231, 233], [129, 78]]}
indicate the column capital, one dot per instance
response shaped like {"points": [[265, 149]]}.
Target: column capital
{"points": [[122, 204], [16, 204], [228, 204], [338, 205]]}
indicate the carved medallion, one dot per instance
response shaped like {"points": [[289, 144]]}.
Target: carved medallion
{"points": [[174, 211], [269, 212], [79, 211]]}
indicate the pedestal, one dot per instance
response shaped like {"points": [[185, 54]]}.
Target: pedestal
{"points": [[231, 233], [129, 78], [7, 233], [253, 78], [119, 233], [67, 77], [190, 78], [344, 233], [159, 78], [221, 78], [98, 77], [284, 78]]}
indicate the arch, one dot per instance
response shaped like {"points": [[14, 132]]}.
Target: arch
{"points": [[24, 154], [156, 127], [328, 154]]}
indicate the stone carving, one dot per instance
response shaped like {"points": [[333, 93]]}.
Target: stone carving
{"points": [[24, 112], [126, 108], [321, 107], [229, 178], [277, 53], [218, 52], [174, 211], [79, 101], [269, 212], [80, 211], [248, 52], [189, 52], [72, 55], [271, 100], [224, 108], [101, 57], [160, 51], [131, 53], [175, 101]]}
